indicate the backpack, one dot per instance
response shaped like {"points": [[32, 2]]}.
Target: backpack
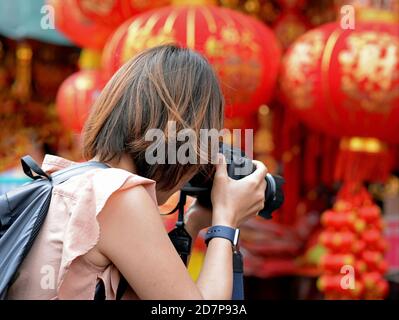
{"points": [[23, 211]]}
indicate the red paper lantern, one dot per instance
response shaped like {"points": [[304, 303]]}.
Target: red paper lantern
{"points": [[344, 82], [243, 51], [78, 28], [76, 96], [114, 12]]}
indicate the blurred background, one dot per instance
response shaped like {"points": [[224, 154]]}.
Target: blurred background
{"points": [[317, 80]]}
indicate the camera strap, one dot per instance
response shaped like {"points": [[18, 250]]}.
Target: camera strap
{"points": [[179, 236], [182, 241], [238, 275]]}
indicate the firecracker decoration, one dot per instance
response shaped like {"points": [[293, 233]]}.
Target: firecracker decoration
{"points": [[115, 12], [352, 236], [77, 27], [344, 83], [76, 96], [243, 51]]}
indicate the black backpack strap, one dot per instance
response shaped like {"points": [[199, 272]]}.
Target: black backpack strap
{"points": [[121, 288], [99, 294], [29, 166]]}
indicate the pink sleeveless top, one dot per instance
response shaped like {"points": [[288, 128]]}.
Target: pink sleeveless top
{"points": [[56, 267]]}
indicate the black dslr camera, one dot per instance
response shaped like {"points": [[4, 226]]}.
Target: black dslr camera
{"points": [[238, 166], [200, 186]]}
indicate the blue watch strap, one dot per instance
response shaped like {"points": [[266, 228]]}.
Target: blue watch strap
{"points": [[222, 232]]}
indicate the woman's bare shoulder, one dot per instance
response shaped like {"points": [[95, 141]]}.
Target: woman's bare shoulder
{"points": [[132, 201], [122, 213]]}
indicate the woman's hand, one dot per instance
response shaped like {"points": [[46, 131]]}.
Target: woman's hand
{"points": [[234, 201]]}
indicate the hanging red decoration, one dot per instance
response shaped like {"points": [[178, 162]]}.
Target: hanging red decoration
{"points": [[75, 97], [353, 238], [345, 83], [243, 51], [78, 28], [115, 12]]}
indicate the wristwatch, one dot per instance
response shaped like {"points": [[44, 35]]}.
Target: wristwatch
{"points": [[228, 233]]}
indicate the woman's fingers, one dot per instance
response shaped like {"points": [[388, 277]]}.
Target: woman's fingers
{"points": [[235, 201], [258, 176], [261, 169], [221, 167]]}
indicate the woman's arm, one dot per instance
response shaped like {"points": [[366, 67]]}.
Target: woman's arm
{"points": [[133, 237]]}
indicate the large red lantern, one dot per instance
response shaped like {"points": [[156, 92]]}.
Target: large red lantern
{"points": [[78, 28], [243, 51], [346, 82], [114, 12], [75, 97]]}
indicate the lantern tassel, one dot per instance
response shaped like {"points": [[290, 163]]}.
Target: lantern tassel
{"points": [[363, 159]]}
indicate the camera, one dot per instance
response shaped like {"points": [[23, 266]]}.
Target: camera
{"points": [[238, 167]]}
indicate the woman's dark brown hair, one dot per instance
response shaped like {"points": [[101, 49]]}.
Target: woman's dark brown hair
{"points": [[165, 83]]}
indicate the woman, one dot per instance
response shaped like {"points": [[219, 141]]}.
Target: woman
{"points": [[106, 222]]}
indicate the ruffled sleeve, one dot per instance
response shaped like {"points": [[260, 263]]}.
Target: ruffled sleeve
{"points": [[89, 194]]}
